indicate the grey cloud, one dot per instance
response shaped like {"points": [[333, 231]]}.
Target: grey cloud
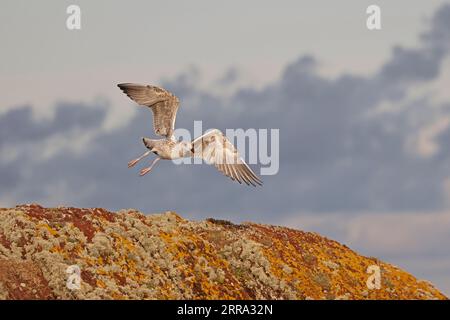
{"points": [[25, 178], [230, 76], [439, 34], [18, 125]]}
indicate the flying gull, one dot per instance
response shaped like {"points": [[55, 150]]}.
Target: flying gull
{"points": [[213, 146]]}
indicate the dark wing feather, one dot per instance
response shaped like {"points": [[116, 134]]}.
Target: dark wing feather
{"points": [[163, 104], [216, 149]]}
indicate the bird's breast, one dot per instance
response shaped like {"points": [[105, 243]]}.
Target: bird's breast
{"points": [[174, 150]]}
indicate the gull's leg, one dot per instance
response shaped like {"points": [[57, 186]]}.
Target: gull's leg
{"points": [[134, 161], [147, 170]]}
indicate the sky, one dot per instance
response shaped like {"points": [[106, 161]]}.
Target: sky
{"points": [[363, 116]]}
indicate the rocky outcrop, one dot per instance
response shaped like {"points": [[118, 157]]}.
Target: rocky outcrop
{"points": [[71, 253]]}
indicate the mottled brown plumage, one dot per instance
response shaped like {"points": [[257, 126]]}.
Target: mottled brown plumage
{"points": [[163, 104]]}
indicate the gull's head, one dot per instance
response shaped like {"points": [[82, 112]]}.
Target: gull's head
{"points": [[149, 143]]}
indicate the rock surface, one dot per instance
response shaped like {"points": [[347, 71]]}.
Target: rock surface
{"points": [[128, 255]]}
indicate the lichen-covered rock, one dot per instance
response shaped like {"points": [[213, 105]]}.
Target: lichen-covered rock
{"points": [[128, 255]]}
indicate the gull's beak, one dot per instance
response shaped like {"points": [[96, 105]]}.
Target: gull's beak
{"points": [[147, 143]]}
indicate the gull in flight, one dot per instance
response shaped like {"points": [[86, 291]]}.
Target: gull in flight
{"points": [[213, 146]]}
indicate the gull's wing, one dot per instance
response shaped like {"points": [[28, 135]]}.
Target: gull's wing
{"points": [[163, 104], [216, 149]]}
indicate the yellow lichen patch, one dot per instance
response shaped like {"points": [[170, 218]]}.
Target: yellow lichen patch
{"points": [[123, 243], [52, 231], [57, 249], [101, 284], [101, 271]]}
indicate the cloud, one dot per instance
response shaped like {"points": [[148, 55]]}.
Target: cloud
{"points": [[425, 142], [230, 76], [27, 144], [389, 234]]}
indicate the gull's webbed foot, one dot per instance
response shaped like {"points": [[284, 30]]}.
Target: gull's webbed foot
{"points": [[144, 171], [148, 169], [133, 162]]}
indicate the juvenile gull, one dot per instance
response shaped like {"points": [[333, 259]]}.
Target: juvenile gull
{"points": [[213, 146]]}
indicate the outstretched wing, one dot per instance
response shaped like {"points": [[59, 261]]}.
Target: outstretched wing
{"points": [[163, 104], [216, 149]]}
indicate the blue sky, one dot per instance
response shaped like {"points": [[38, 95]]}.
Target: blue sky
{"points": [[364, 116]]}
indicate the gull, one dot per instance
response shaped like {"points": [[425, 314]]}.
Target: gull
{"points": [[213, 147]]}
